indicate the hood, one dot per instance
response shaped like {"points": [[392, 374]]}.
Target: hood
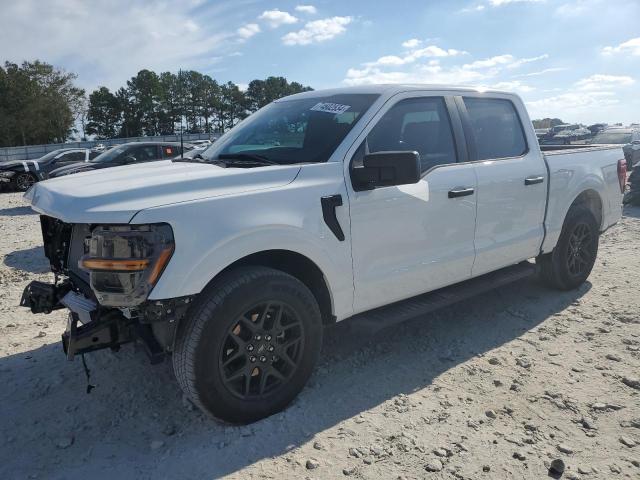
{"points": [[17, 165], [115, 195]]}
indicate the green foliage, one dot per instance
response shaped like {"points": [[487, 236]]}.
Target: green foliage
{"points": [[153, 104], [38, 104], [547, 123]]}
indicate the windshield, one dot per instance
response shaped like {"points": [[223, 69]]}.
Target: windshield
{"points": [[612, 137], [50, 155], [293, 131], [109, 155]]}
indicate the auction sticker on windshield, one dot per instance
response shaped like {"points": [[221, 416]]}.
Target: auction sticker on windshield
{"points": [[336, 108]]}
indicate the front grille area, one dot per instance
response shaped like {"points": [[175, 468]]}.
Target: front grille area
{"points": [[64, 244]]}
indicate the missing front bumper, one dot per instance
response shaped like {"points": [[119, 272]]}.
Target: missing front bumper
{"points": [[110, 331]]}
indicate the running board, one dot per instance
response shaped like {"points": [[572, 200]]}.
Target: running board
{"points": [[398, 312]]}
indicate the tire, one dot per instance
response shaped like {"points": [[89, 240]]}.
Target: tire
{"points": [[571, 262], [245, 316], [23, 181]]}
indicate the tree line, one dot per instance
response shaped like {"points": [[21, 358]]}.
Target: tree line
{"points": [[162, 104], [39, 103]]}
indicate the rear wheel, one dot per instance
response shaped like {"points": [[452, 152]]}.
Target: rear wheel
{"points": [[23, 181], [249, 345], [571, 262]]}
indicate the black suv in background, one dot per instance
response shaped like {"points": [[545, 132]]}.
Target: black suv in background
{"points": [[21, 174], [125, 154]]}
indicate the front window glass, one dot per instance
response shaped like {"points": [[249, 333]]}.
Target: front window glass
{"points": [[294, 131], [416, 124], [612, 137]]}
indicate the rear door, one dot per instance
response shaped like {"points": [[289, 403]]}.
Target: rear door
{"points": [[411, 239], [512, 181]]}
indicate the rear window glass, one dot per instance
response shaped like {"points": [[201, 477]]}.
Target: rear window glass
{"points": [[496, 128]]}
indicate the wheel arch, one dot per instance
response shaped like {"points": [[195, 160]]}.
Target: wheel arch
{"points": [[591, 199], [297, 265]]}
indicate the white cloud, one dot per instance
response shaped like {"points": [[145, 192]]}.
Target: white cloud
{"points": [[570, 102], [412, 43], [631, 47], [541, 72], [596, 93], [276, 18], [431, 72], [604, 82], [489, 62], [247, 31], [475, 8], [160, 35], [318, 31], [431, 51], [523, 61], [512, 86], [500, 3], [310, 9]]}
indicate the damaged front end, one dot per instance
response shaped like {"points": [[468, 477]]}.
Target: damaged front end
{"points": [[103, 275]]}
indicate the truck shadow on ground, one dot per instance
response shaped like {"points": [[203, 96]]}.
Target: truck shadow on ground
{"points": [[16, 211], [109, 433], [631, 211], [28, 260]]}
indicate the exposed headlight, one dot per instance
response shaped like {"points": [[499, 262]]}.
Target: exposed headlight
{"points": [[125, 261], [7, 173]]}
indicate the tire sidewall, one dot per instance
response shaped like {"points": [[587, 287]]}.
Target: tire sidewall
{"points": [[560, 254], [211, 391]]}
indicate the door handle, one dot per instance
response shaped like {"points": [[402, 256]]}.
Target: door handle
{"points": [[533, 180], [461, 192]]}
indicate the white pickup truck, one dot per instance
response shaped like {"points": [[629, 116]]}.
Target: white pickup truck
{"points": [[378, 203]]}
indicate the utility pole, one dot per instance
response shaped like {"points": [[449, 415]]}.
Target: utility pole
{"points": [[181, 112]]}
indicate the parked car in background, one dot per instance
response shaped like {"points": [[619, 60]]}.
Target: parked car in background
{"points": [[192, 153], [542, 133], [597, 128], [128, 153], [629, 137], [201, 143], [21, 174]]}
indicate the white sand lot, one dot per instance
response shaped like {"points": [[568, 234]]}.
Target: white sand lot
{"points": [[495, 387]]}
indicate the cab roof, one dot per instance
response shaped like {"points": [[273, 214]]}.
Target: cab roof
{"points": [[391, 89]]}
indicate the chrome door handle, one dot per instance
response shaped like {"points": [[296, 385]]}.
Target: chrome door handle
{"points": [[460, 192], [533, 180]]}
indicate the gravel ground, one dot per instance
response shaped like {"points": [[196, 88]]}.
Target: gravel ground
{"points": [[495, 387]]}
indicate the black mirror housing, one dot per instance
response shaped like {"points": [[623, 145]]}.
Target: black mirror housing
{"points": [[385, 169]]}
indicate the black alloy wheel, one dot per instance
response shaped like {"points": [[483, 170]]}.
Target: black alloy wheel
{"points": [[261, 351], [24, 181], [579, 250]]}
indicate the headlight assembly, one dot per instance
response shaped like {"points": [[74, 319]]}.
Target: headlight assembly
{"points": [[125, 261]]}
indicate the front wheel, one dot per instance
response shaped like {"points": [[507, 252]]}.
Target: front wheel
{"points": [[23, 181], [572, 260], [249, 344]]}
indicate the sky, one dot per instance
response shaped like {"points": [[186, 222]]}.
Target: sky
{"points": [[578, 60]]}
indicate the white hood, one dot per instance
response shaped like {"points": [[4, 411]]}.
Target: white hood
{"points": [[115, 195]]}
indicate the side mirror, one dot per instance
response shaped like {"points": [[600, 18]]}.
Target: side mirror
{"points": [[129, 159], [385, 169], [635, 142]]}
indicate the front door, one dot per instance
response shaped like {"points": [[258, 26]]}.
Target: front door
{"points": [[411, 239]]}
